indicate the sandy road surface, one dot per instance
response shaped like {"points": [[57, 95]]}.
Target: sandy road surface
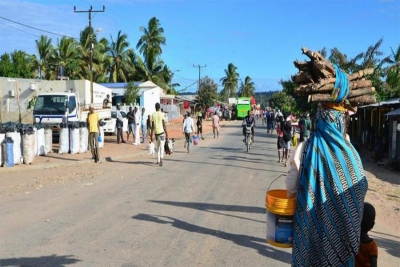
{"points": [[205, 208]]}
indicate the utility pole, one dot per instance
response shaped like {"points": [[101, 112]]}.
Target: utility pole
{"points": [[198, 66], [91, 45]]}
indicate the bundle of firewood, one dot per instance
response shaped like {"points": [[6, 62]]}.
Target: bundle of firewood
{"points": [[316, 79]]}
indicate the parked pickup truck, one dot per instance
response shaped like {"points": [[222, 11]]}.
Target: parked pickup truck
{"points": [[56, 107]]}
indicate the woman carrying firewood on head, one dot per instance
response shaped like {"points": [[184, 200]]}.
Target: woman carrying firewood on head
{"points": [[328, 181]]}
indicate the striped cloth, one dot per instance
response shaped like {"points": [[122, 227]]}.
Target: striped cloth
{"points": [[330, 198]]}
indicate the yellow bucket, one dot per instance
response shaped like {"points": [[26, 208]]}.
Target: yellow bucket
{"points": [[280, 215]]}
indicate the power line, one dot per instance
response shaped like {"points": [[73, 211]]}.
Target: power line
{"points": [[19, 29], [16, 22]]}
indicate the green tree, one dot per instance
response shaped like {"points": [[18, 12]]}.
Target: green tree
{"points": [[44, 49], [6, 66], [392, 72], [247, 88], [150, 70], [65, 55], [207, 92], [150, 42], [119, 51], [15, 65], [229, 82], [283, 101], [131, 93], [300, 104]]}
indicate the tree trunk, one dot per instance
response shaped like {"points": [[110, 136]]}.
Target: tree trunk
{"points": [[326, 70], [301, 66], [319, 98], [301, 77], [361, 91], [361, 73], [364, 99]]}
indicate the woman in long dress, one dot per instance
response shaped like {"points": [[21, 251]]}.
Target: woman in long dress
{"points": [[330, 188]]}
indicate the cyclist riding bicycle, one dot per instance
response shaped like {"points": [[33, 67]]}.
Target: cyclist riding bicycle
{"points": [[249, 122]]}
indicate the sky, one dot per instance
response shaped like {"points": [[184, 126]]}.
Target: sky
{"points": [[261, 38]]}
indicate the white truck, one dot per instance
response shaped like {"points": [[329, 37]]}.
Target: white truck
{"points": [[62, 105]]}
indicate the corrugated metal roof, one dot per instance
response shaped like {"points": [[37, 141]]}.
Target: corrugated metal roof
{"points": [[387, 102], [393, 112]]}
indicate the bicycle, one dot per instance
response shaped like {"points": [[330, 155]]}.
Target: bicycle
{"points": [[248, 140]]}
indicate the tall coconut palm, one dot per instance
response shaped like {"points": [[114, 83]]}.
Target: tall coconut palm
{"points": [[230, 81], [44, 49], [65, 55], [150, 42], [100, 59], [149, 70], [247, 87], [119, 50], [392, 73]]}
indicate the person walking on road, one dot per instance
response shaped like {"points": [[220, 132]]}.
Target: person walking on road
{"points": [[143, 124], [188, 129], [286, 128], [94, 129], [119, 125], [215, 124], [160, 133], [138, 120], [131, 124], [199, 124]]}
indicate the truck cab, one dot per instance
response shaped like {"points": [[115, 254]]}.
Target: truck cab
{"points": [[54, 108]]}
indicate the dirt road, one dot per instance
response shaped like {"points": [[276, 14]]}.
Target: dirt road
{"points": [[203, 208]]}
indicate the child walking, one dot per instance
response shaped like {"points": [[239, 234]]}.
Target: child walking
{"points": [[368, 254]]}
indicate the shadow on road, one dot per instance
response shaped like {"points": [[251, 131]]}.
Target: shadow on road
{"points": [[256, 243], [148, 163], [212, 208], [50, 261], [389, 245], [224, 165]]}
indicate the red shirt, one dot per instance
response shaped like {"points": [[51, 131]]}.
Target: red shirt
{"points": [[366, 251]]}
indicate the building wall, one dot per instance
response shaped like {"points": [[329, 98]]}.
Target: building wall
{"points": [[149, 98]]}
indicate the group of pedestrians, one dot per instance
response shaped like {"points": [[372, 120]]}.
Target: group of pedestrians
{"points": [[137, 121]]}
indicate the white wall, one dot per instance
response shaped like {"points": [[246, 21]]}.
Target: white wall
{"points": [[149, 99]]}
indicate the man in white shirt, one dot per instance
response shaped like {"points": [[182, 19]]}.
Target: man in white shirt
{"points": [[138, 118], [187, 129]]}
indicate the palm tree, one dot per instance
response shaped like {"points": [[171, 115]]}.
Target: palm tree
{"points": [[119, 50], [65, 54], [149, 44], [247, 88], [149, 70], [392, 73], [230, 81], [44, 49], [101, 61]]}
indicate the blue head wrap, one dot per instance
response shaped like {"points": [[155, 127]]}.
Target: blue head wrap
{"points": [[342, 86]]}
